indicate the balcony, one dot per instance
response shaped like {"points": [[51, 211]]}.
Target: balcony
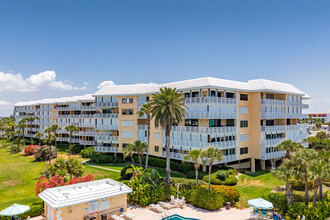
{"points": [[83, 142], [293, 115], [76, 116], [107, 139], [271, 155], [106, 115], [88, 133], [106, 127], [76, 108], [143, 139], [176, 156], [272, 115], [106, 104], [87, 125], [204, 130], [207, 100], [106, 149], [272, 102], [283, 128], [294, 103], [273, 142], [142, 127], [211, 115], [201, 145], [45, 109], [305, 106]]}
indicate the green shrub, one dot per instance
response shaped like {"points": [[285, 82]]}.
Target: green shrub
{"points": [[87, 152], [295, 209], [14, 149], [231, 180], [123, 174], [229, 193], [300, 186], [279, 202], [42, 153], [203, 198], [222, 175], [100, 158], [191, 174], [299, 196]]}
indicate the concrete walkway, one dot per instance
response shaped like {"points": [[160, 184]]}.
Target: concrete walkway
{"points": [[103, 168]]}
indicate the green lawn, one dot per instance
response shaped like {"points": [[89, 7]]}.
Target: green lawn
{"points": [[18, 177], [254, 185]]}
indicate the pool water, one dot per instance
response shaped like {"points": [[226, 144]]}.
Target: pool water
{"points": [[178, 217]]}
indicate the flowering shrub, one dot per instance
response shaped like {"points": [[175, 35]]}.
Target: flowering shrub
{"points": [[42, 153], [203, 198], [229, 193], [45, 183], [30, 150]]}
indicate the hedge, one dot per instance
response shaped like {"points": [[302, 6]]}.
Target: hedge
{"points": [[203, 198], [231, 180], [229, 193], [105, 158]]}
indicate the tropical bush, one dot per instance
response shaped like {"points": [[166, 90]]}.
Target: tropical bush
{"points": [[206, 199], [229, 177], [87, 152], [299, 196], [45, 183], [279, 202], [14, 149], [30, 150], [124, 175], [296, 209], [191, 174], [105, 158], [65, 168], [42, 153], [300, 185], [229, 193]]}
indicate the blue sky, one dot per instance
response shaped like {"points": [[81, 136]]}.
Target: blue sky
{"points": [[85, 43]]}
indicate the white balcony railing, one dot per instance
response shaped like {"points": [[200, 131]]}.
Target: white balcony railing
{"points": [[271, 155], [76, 116], [76, 108], [88, 133], [106, 127], [106, 115], [106, 104], [204, 130], [273, 142], [143, 139], [106, 149], [106, 138], [305, 106], [173, 155], [283, 127], [142, 127], [272, 102], [293, 115], [87, 125], [218, 100], [211, 115], [201, 145], [272, 115], [83, 142]]}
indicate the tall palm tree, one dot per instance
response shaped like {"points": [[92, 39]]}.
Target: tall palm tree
{"points": [[317, 171], [209, 156], [39, 136], [146, 110], [128, 151], [71, 129], [285, 172], [167, 108], [22, 125], [54, 128], [49, 138], [324, 159], [301, 159], [195, 157], [31, 119], [289, 146], [139, 148]]}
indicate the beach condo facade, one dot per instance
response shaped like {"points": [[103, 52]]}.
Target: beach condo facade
{"points": [[245, 120]]}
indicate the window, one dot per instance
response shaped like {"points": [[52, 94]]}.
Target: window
{"points": [[127, 100], [244, 123], [194, 94], [156, 136], [244, 150], [187, 95], [127, 123], [244, 137], [270, 96], [127, 111], [230, 95], [127, 134], [269, 122], [156, 148], [230, 122], [191, 122], [215, 123], [243, 97], [244, 110]]}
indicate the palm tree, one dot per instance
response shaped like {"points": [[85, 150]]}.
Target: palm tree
{"points": [[128, 151], [318, 123], [146, 109], [39, 136], [195, 157], [31, 119], [54, 128], [71, 129], [301, 159], [167, 108], [317, 172], [289, 146], [209, 156], [328, 123], [285, 172], [3, 133], [49, 138], [139, 148], [324, 158], [22, 125]]}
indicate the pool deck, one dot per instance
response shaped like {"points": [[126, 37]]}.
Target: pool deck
{"points": [[192, 212]]}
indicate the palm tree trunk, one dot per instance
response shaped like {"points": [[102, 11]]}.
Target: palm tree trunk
{"points": [[55, 145], [147, 157], [39, 141], [168, 163], [140, 159], [31, 134], [210, 168], [288, 192], [50, 152], [315, 191], [196, 173], [70, 145], [320, 192], [306, 189], [132, 158]]}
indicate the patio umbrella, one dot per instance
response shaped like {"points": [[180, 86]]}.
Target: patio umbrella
{"points": [[15, 209], [260, 204]]}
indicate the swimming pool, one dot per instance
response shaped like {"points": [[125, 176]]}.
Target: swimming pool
{"points": [[178, 217]]}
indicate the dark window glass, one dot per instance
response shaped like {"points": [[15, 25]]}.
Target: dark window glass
{"points": [[194, 94], [156, 148], [230, 95], [243, 97], [269, 122], [244, 150], [230, 122], [191, 122], [244, 124], [215, 123], [127, 111], [187, 95], [127, 100]]}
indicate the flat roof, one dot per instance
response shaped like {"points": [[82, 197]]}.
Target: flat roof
{"points": [[74, 194]]}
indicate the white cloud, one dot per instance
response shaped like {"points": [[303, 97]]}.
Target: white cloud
{"points": [[4, 104], [47, 79], [105, 84], [85, 83]]}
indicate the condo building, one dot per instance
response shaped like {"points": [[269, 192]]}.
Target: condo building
{"points": [[245, 120]]}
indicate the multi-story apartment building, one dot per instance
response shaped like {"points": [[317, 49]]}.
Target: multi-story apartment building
{"points": [[243, 120]]}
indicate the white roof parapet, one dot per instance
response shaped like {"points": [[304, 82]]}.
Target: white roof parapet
{"points": [[74, 194]]}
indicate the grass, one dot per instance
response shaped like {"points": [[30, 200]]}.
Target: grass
{"points": [[18, 177], [254, 185]]}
